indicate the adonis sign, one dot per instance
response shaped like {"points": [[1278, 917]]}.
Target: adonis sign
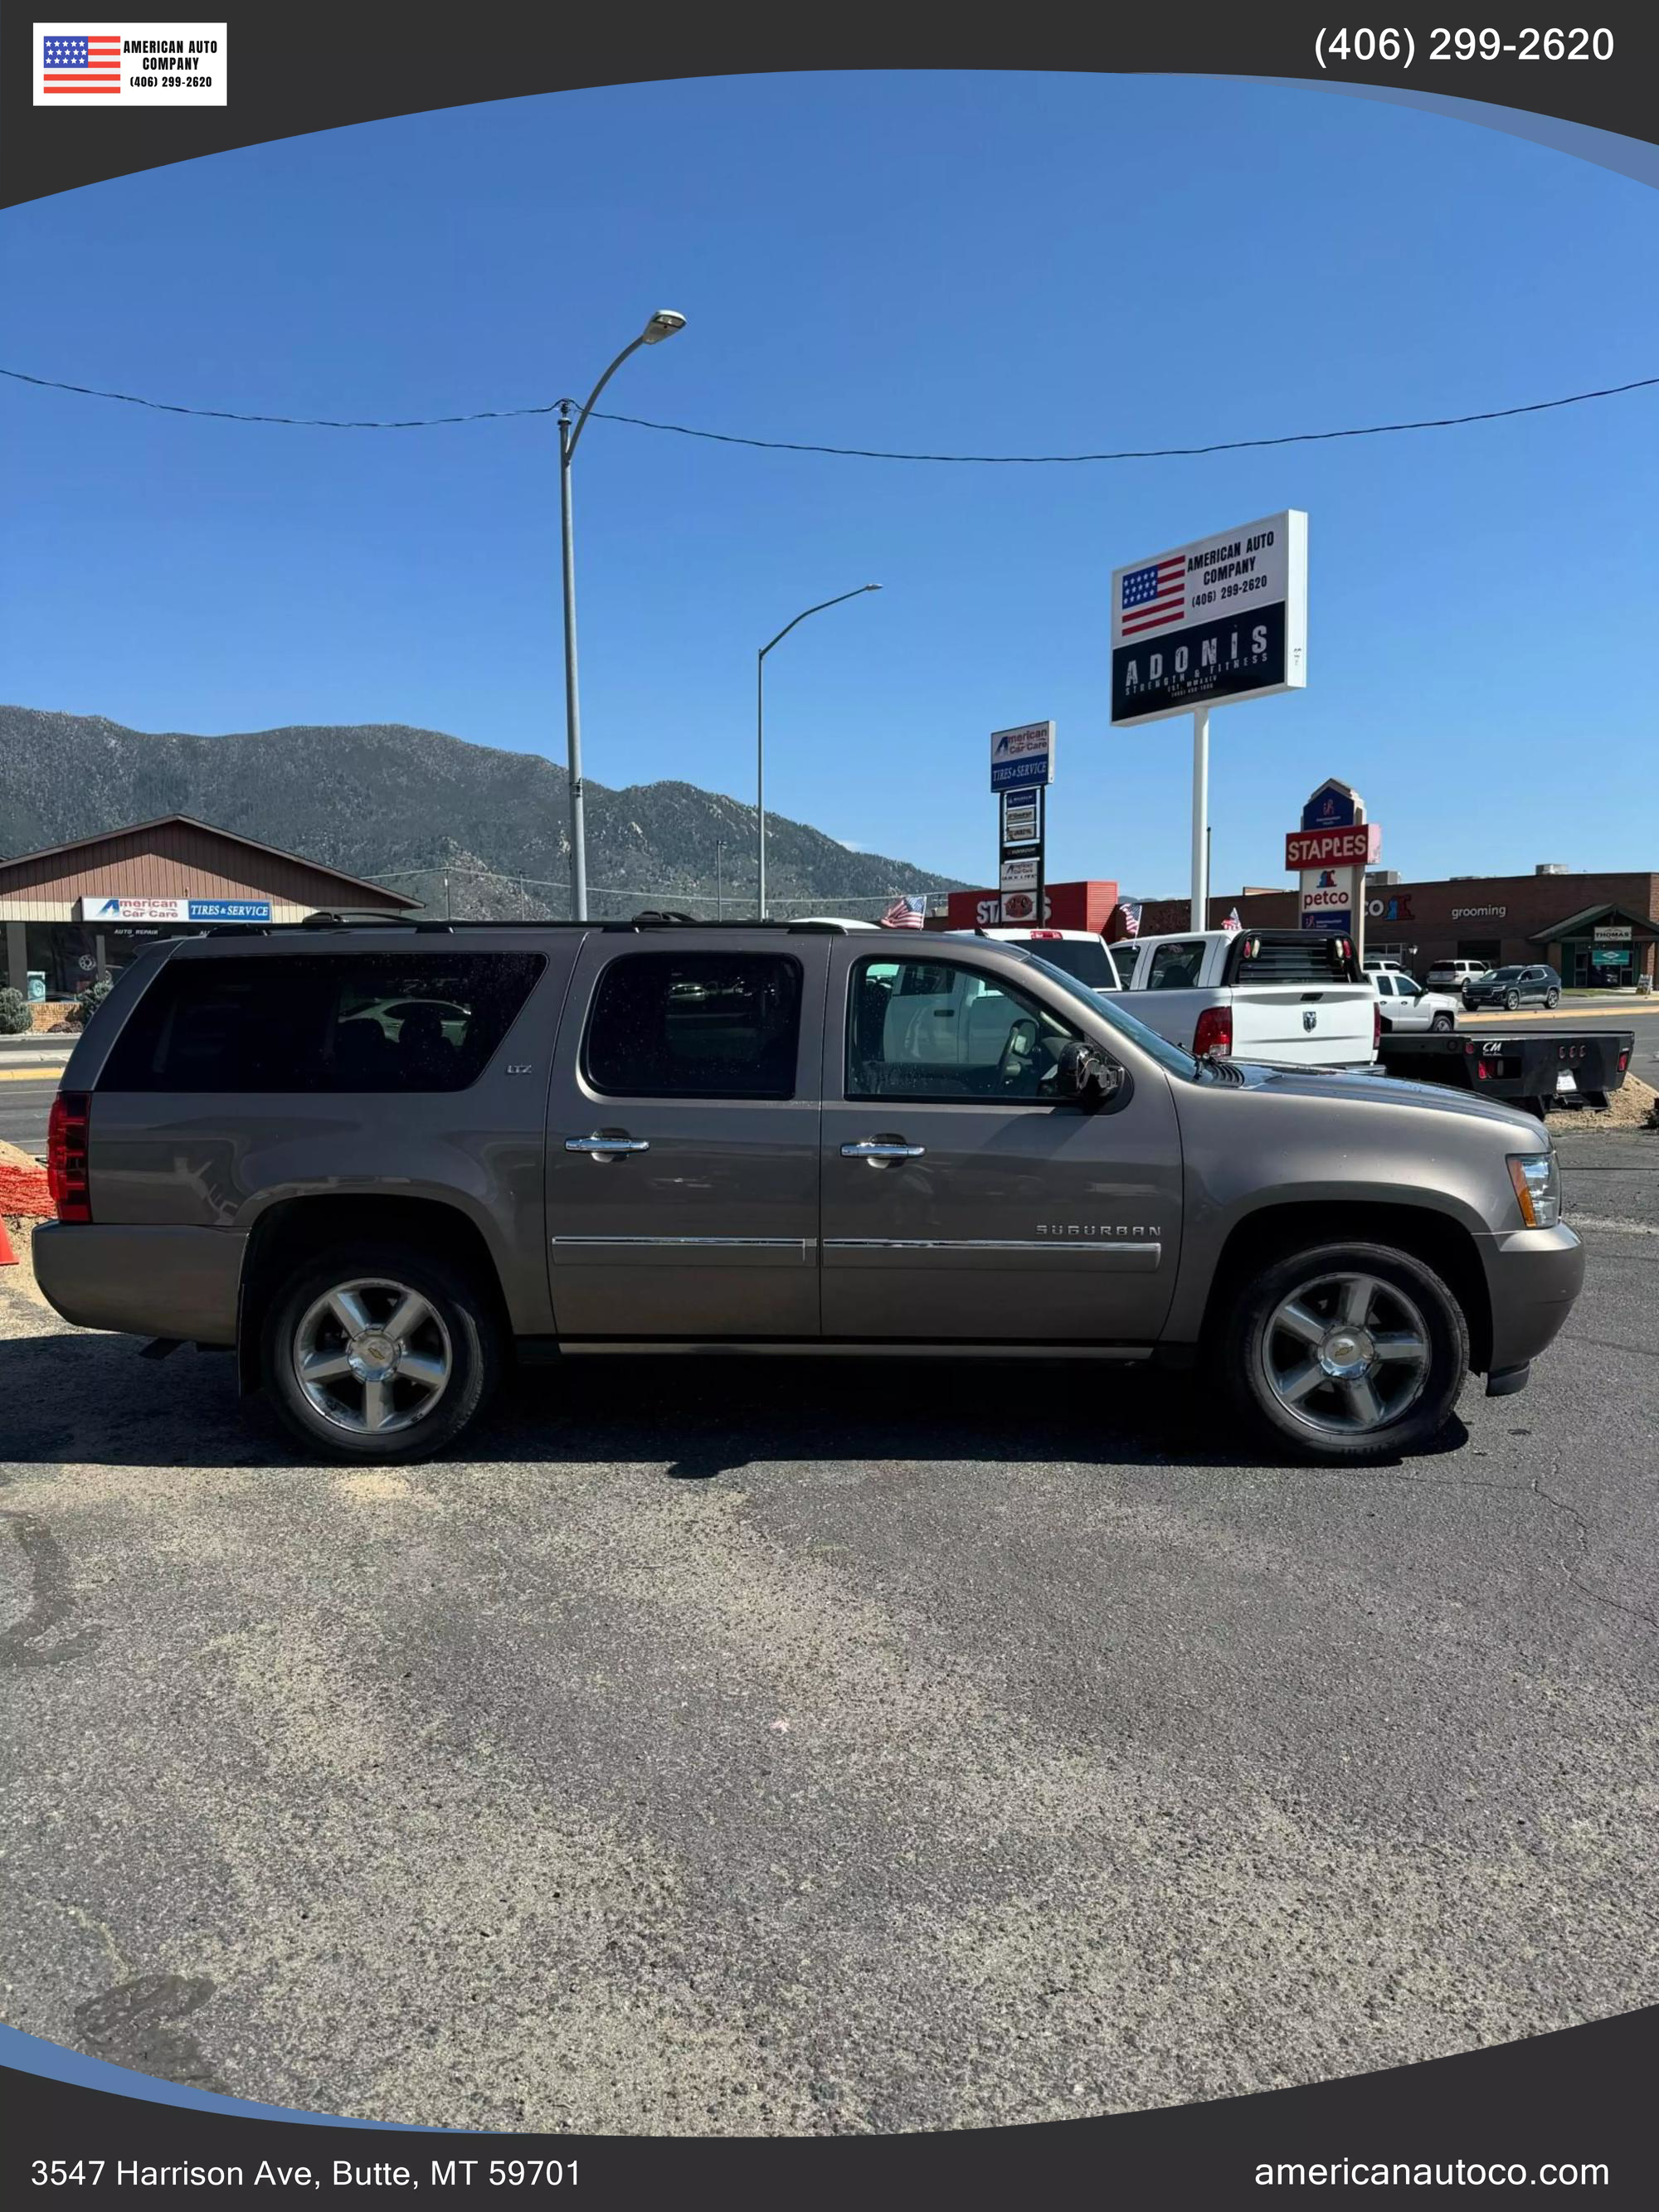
{"points": [[1358, 844]]}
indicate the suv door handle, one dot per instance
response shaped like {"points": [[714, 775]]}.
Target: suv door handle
{"points": [[606, 1147], [882, 1148]]}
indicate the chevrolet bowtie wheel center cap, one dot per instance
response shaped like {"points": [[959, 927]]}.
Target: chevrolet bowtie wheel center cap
{"points": [[374, 1358], [1347, 1352]]}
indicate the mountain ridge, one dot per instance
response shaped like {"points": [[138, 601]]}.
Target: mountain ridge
{"points": [[395, 803]]}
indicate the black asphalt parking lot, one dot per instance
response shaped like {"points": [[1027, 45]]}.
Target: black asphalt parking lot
{"points": [[805, 1746]]}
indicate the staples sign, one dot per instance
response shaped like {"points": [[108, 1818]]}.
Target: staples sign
{"points": [[1352, 847]]}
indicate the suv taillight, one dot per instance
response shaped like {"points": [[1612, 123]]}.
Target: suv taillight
{"points": [[1376, 1024], [67, 1131], [1214, 1033]]}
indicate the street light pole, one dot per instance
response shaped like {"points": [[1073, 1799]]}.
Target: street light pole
{"points": [[760, 734], [662, 324]]}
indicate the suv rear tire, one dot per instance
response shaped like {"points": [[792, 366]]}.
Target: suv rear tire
{"points": [[1348, 1353], [379, 1352]]}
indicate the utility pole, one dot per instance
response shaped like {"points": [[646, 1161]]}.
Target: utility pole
{"points": [[720, 881]]}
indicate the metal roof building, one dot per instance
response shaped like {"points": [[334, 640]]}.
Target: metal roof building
{"points": [[74, 912]]}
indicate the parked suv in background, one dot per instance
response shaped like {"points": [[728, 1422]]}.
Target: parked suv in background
{"points": [[663, 1137], [1455, 975], [1509, 988]]}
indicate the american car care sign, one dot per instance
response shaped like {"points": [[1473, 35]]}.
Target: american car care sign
{"points": [[1226, 617]]}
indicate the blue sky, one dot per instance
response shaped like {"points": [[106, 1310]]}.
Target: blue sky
{"points": [[956, 262]]}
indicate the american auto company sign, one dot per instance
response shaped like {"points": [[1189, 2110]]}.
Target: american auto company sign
{"points": [[1223, 617]]}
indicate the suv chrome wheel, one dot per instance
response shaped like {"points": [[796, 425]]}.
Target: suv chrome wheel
{"points": [[1345, 1354], [373, 1355]]}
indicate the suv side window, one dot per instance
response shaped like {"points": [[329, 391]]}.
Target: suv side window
{"points": [[1175, 967], [350, 1022], [695, 1025], [925, 1029]]}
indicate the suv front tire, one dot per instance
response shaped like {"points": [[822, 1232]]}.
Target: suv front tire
{"points": [[1350, 1353], [378, 1353]]}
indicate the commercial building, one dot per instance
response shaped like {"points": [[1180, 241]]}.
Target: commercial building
{"points": [[1598, 930], [76, 912]]}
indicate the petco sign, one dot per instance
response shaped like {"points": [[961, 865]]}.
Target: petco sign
{"points": [[1327, 900]]}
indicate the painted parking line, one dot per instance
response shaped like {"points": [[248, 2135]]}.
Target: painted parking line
{"points": [[30, 1074]]}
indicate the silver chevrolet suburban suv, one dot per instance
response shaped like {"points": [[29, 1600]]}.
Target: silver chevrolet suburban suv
{"points": [[380, 1160]]}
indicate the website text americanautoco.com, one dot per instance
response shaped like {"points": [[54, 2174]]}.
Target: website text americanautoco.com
{"points": [[1429, 2173]]}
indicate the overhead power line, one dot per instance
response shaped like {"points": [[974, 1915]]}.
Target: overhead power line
{"points": [[855, 452]]}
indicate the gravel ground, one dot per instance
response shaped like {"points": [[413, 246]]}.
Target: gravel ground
{"points": [[787, 1746]]}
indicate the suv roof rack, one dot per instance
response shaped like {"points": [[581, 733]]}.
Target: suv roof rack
{"points": [[376, 918]]}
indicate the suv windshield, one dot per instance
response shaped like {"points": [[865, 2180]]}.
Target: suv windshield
{"points": [[1167, 1055]]}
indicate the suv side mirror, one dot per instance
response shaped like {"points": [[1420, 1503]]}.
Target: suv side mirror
{"points": [[1087, 1075]]}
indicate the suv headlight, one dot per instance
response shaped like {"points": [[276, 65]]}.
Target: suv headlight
{"points": [[1537, 1180]]}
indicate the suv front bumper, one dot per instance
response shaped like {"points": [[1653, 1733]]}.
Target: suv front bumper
{"points": [[1533, 1277]]}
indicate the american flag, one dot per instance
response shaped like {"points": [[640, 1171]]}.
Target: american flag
{"points": [[1232, 924], [92, 64], [1154, 597], [1130, 910], [904, 913]]}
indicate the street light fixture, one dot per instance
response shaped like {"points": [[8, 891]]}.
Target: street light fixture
{"points": [[760, 733], [663, 324]]}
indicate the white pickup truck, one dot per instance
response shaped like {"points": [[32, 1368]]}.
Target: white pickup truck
{"points": [[1292, 998]]}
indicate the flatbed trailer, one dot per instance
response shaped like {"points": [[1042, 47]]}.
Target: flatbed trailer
{"points": [[1533, 1069]]}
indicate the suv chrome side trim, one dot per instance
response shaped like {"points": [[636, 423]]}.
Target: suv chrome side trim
{"points": [[1091, 1249], [801, 1245]]}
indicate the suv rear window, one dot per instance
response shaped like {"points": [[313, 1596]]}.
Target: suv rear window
{"points": [[695, 1025], [364, 1021]]}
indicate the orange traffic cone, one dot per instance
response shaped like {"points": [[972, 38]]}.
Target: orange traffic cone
{"points": [[8, 1257]]}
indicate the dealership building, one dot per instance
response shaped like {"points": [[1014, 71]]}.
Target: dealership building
{"points": [[75, 913]]}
